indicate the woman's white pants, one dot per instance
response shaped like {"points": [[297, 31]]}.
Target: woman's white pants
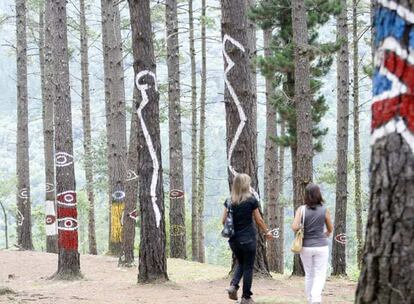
{"points": [[315, 263]]}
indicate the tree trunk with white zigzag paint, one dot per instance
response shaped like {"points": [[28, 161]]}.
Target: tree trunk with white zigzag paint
{"points": [[152, 255], [237, 48]]}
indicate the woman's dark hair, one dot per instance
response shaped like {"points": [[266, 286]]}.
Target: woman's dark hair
{"points": [[313, 196]]}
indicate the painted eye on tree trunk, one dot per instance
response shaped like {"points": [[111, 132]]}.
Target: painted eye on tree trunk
{"points": [[63, 159], [68, 223], [176, 193], [67, 198], [118, 195], [50, 219]]}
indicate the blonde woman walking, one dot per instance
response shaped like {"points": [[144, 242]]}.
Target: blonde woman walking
{"points": [[244, 207], [315, 250]]}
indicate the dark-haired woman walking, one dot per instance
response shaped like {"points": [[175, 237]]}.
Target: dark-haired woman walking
{"points": [[315, 250]]}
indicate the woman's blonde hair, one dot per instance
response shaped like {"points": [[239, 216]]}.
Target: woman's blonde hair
{"points": [[240, 190]]}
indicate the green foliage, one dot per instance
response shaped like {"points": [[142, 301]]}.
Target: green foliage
{"points": [[210, 22], [277, 15], [99, 161], [8, 198], [38, 227]]}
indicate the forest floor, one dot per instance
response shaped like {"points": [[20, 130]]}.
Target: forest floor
{"points": [[26, 275]]}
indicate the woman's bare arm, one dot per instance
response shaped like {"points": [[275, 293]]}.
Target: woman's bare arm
{"points": [[297, 220], [328, 222], [259, 220]]}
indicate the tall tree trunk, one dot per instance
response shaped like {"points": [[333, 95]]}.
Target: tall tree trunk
{"points": [[116, 119], [357, 145], [24, 223], [86, 119], [46, 76], [297, 262], [261, 255], [303, 106], [240, 101], [152, 255], [177, 206], [69, 261], [194, 207], [280, 211], [339, 248], [387, 270], [202, 148], [131, 192], [271, 174]]}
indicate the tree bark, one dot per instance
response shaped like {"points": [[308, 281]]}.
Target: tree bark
{"points": [[280, 220], [297, 262], [194, 178], [339, 248], [24, 223], [357, 145], [178, 248], [261, 254], [387, 269], [116, 119], [303, 106], [271, 168], [152, 255], [69, 260], [86, 119], [46, 76], [240, 103], [131, 192], [201, 144]]}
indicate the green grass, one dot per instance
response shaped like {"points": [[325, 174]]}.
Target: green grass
{"points": [[186, 271]]}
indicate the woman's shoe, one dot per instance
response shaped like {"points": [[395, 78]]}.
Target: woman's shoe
{"points": [[232, 291]]}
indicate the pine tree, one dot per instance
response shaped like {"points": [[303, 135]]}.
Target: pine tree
{"points": [[115, 119], [387, 269], [271, 165], [356, 138], [339, 248], [201, 143], [86, 119], [152, 249], [177, 206], [131, 191], [303, 103], [194, 207], [24, 222], [240, 101], [46, 76], [277, 14], [69, 260]]}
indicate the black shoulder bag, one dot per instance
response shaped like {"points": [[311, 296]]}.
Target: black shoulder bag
{"points": [[228, 230]]}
